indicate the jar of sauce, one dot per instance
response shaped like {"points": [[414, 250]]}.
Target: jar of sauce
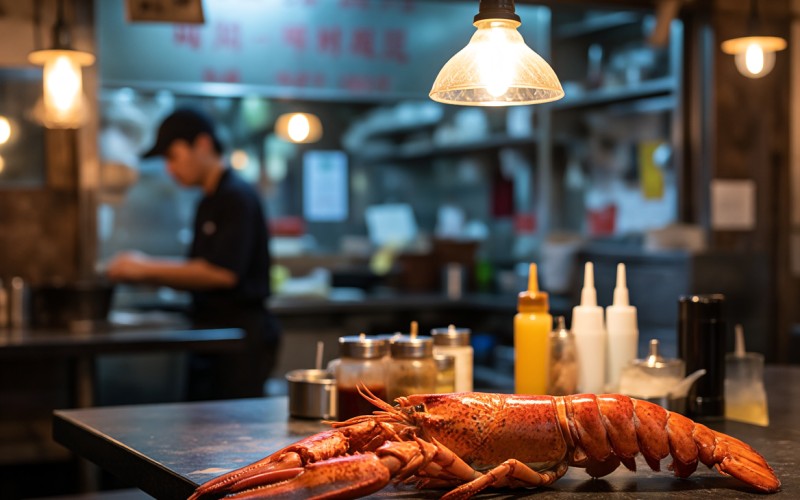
{"points": [[361, 363], [412, 369], [454, 342], [445, 373]]}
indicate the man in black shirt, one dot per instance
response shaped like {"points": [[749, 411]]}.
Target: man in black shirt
{"points": [[227, 269]]}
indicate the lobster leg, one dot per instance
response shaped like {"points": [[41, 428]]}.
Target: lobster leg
{"points": [[511, 473]]}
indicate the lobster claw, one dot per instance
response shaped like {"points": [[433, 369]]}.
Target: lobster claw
{"points": [[349, 476]]}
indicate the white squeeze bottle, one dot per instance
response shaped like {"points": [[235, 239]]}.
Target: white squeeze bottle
{"points": [[590, 337], [623, 334]]}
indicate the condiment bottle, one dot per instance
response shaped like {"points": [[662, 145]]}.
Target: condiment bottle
{"points": [[532, 325], [590, 337], [563, 361], [412, 369], [455, 342], [445, 373], [745, 397], [623, 333], [701, 344], [360, 363]]}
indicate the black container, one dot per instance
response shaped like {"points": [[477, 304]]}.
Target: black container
{"points": [[701, 344], [60, 305]]}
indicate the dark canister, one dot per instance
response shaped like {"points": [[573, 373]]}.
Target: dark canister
{"points": [[701, 344]]}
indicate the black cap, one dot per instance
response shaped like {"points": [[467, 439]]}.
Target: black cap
{"points": [[184, 124]]}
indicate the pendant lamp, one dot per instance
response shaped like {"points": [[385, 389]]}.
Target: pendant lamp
{"points": [[754, 54], [63, 81], [496, 68]]}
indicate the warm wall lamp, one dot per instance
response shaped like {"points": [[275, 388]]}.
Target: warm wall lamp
{"points": [[496, 68], [301, 128], [754, 54], [63, 82]]}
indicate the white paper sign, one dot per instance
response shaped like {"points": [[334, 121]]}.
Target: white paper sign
{"points": [[325, 189], [733, 205]]}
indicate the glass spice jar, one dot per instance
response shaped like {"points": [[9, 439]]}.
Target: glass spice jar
{"points": [[445, 373], [361, 363], [412, 369], [455, 342], [563, 361]]}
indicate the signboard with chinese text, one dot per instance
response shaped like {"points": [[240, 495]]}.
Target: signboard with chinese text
{"points": [[337, 49]]}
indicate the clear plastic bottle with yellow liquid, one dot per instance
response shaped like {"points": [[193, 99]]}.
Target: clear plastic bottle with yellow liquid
{"points": [[532, 326]]}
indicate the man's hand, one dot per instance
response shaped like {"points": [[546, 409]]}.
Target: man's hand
{"points": [[194, 274], [129, 266]]}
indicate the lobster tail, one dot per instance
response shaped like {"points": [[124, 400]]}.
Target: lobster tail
{"points": [[738, 459], [610, 429]]}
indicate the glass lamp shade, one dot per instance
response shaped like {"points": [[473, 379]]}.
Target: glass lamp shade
{"points": [[301, 128], [496, 68], [754, 55], [63, 86]]}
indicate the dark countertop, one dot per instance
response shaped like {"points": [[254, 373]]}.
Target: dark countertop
{"points": [[121, 333], [167, 449]]}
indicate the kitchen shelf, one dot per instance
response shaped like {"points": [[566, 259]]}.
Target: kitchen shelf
{"points": [[489, 143], [614, 95]]}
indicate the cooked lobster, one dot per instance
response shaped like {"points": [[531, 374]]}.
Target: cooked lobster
{"points": [[471, 441]]}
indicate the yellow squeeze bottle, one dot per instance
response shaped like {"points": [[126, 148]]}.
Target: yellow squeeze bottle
{"points": [[532, 326]]}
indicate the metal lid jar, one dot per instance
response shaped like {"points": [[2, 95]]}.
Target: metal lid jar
{"points": [[361, 364], [412, 369], [455, 342]]}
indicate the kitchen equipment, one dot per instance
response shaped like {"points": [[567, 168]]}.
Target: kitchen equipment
{"points": [[652, 378], [745, 396], [59, 305], [312, 394], [701, 344]]}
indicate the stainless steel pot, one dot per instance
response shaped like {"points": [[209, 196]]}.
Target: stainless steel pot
{"points": [[312, 394]]}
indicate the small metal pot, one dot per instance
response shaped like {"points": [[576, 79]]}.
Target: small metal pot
{"points": [[312, 394]]}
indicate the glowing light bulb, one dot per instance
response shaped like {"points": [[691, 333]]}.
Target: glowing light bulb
{"points": [[754, 58], [299, 128], [495, 70], [63, 83], [5, 130], [2, 164]]}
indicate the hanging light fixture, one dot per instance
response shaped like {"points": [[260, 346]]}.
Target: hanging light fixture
{"points": [[301, 128], [754, 54], [496, 68], [63, 82]]}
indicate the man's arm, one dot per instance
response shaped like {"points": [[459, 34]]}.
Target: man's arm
{"points": [[194, 274]]}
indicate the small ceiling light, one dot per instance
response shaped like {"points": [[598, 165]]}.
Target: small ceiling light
{"points": [[301, 128], [496, 68], [754, 54], [63, 82]]}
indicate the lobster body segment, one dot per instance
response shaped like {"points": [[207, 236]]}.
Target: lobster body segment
{"points": [[470, 441]]}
